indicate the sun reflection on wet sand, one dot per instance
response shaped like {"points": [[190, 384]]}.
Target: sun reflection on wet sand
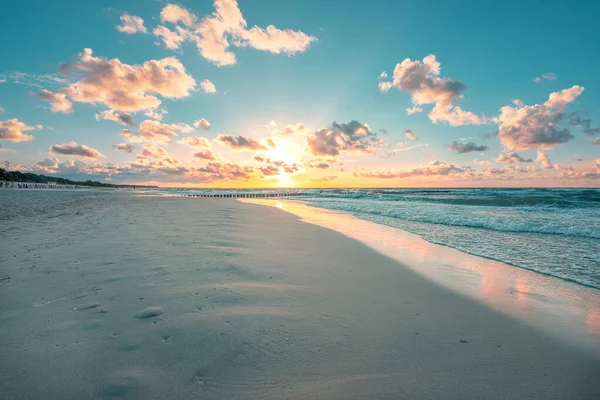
{"points": [[562, 308]]}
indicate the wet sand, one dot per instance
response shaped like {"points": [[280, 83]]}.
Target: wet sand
{"points": [[112, 295]]}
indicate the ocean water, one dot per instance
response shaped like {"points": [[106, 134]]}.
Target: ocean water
{"points": [[551, 231]]}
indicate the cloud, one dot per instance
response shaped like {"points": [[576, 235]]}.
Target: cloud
{"points": [[126, 147], [384, 86], [318, 163], [75, 149], [536, 127], [413, 110], [208, 86], [131, 24], [214, 34], [421, 80], [549, 76], [58, 101], [205, 155], [155, 131], [5, 150], [197, 141], [270, 143], [122, 87], [383, 75], [152, 150], [544, 160], [202, 123], [156, 113], [350, 137], [463, 148], [173, 13], [508, 158], [597, 141], [219, 171], [1, 110], [435, 168], [118, 117], [289, 130], [240, 143], [409, 134], [13, 129], [328, 178]]}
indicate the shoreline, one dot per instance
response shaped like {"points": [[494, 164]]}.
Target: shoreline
{"points": [[561, 306], [130, 296]]}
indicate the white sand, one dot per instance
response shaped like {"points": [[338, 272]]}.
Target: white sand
{"points": [[111, 295]]}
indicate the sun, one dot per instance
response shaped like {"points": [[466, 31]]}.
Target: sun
{"points": [[286, 150]]}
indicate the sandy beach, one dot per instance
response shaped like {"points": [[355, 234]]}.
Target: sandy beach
{"points": [[107, 294]]}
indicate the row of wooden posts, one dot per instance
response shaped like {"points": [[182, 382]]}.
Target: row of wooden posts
{"points": [[247, 195]]}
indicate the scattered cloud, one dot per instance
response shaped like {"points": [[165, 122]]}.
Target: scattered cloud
{"points": [[118, 117], [156, 113], [131, 24], [155, 131], [58, 101], [536, 127], [597, 141], [202, 123], [421, 80], [463, 148], [122, 87], [328, 178], [126, 147], [508, 158], [548, 76], [349, 137], [240, 143], [13, 129], [409, 134], [543, 159], [205, 155], [214, 34], [5, 150], [208, 86], [200, 142], [383, 75], [152, 150], [75, 149], [435, 168]]}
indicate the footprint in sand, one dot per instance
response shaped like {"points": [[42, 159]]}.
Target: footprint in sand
{"points": [[87, 306], [149, 312]]}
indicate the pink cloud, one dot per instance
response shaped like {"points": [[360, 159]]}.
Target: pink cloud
{"points": [[13, 129]]}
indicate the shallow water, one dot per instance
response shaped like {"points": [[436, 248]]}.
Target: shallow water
{"points": [[551, 231]]}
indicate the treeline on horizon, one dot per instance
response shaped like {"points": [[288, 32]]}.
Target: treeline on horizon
{"points": [[28, 177]]}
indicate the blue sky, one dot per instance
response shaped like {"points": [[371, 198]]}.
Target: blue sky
{"points": [[495, 49]]}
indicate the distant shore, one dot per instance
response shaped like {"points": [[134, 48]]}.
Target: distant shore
{"points": [[153, 297]]}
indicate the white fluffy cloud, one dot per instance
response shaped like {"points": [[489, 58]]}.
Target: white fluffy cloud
{"points": [[214, 34], [536, 127], [195, 142], [131, 24], [13, 129], [75, 149], [58, 101], [122, 87], [155, 131], [208, 86], [509, 158], [202, 123], [421, 80]]}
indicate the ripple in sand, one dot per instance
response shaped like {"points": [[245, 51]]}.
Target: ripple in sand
{"points": [[149, 312]]}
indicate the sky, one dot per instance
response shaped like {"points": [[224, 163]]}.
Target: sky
{"points": [[302, 93]]}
